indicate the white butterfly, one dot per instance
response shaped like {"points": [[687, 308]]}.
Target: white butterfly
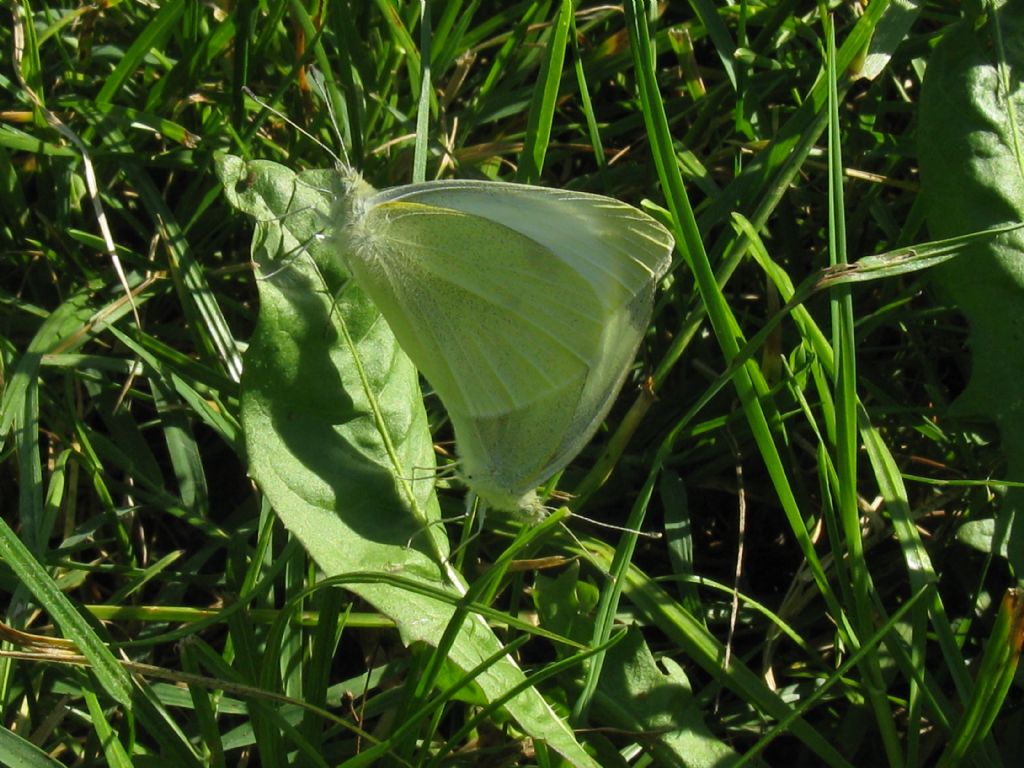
{"points": [[522, 306]]}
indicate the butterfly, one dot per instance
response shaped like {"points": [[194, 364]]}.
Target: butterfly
{"points": [[522, 306]]}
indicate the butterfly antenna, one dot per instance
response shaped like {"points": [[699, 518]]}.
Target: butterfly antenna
{"points": [[621, 529], [586, 554], [567, 498], [249, 92], [320, 87], [600, 567]]}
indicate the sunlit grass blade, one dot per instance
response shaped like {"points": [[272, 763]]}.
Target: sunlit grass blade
{"points": [[545, 96], [994, 679]]}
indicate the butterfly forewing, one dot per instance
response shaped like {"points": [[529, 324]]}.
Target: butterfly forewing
{"points": [[468, 300], [612, 245]]}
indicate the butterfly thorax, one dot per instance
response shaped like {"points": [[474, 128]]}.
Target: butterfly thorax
{"points": [[352, 203]]}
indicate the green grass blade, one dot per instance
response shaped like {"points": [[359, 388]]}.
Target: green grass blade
{"points": [[23, 753], [152, 37], [845, 345], [110, 675], [545, 96]]}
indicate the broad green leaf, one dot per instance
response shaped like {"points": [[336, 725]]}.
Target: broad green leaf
{"points": [[335, 429], [983, 536], [337, 436], [634, 692], [637, 694], [970, 147]]}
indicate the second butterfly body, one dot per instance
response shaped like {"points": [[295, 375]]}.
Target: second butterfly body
{"points": [[522, 306]]}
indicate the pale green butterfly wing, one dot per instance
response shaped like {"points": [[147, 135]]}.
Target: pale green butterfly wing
{"points": [[509, 377], [464, 291], [523, 307], [610, 247]]}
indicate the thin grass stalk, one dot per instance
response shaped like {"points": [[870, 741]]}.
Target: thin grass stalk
{"points": [[748, 381], [545, 97], [419, 162], [844, 343]]}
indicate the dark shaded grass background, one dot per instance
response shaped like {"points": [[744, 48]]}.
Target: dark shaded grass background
{"points": [[123, 471]]}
